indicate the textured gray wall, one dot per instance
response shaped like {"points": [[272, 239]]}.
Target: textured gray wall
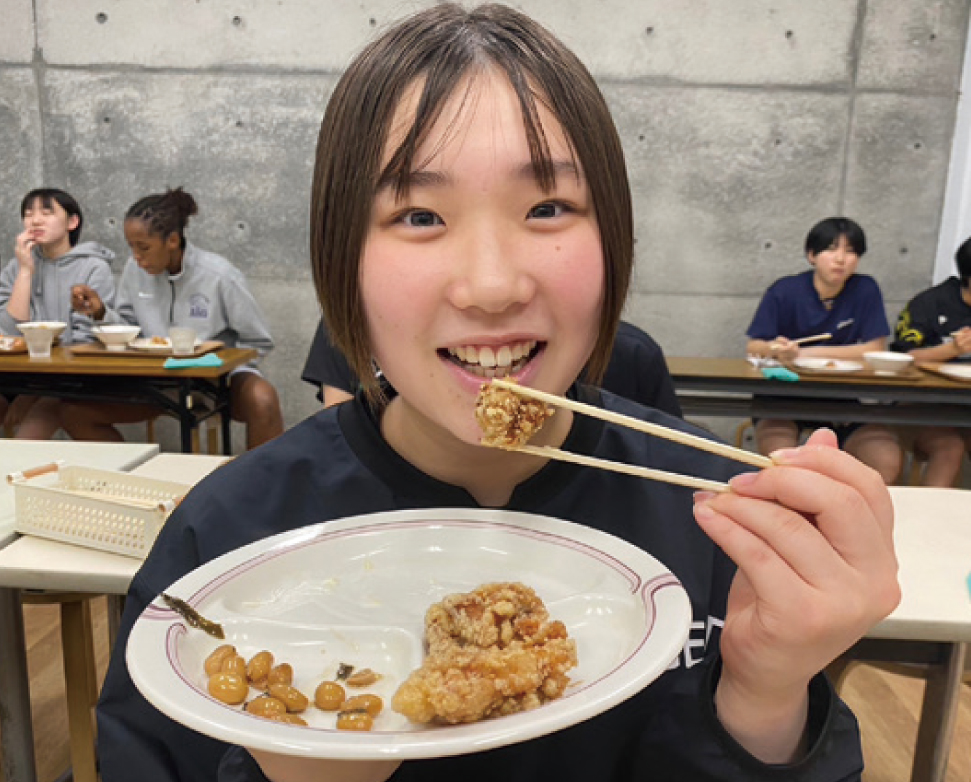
{"points": [[744, 123]]}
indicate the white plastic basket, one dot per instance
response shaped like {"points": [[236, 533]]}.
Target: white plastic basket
{"points": [[100, 509]]}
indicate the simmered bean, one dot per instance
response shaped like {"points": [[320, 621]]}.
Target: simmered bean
{"points": [[281, 674], [228, 688], [215, 660], [258, 668], [354, 720], [329, 696], [234, 664], [264, 706], [372, 704], [292, 719], [291, 697], [362, 678]]}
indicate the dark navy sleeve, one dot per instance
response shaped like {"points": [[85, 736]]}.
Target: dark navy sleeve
{"points": [[765, 323], [870, 310]]}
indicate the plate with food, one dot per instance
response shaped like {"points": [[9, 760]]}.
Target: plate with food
{"points": [[956, 371], [363, 656], [827, 364], [155, 344], [11, 345]]}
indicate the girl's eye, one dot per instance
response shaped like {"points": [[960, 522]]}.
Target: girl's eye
{"points": [[546, 210], [421, 218]]}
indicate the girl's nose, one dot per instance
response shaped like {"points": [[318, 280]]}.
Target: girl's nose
{"points": [[490, 274]]}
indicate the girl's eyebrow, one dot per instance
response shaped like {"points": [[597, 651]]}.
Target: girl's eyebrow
{"points": [[526, 171]]}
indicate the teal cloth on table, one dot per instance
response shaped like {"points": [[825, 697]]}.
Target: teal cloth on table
{"points": [[969, 584], [208, 360], [779, 373]]}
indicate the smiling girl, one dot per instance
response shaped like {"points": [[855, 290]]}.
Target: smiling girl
{"points": [[471, 217]]}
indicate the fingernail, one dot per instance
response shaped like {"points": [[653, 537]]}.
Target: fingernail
{"points": [[742, 480], [784, 455], [704, 511], [703, 496]]}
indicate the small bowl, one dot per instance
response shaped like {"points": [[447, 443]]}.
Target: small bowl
{"points": [[115, 336], [56, 327], [887, 361]]}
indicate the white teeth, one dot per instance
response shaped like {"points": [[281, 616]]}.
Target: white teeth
{"points": [[486, 357]]}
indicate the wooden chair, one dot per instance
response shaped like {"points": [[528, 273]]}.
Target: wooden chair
{"points": [[211, 425]]}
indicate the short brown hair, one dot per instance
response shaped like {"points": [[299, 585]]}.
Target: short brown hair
{"points": [[438, 48]]}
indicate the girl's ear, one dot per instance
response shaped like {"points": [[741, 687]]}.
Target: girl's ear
{"points": [[72, 222], [811, 258], [173, 241]]}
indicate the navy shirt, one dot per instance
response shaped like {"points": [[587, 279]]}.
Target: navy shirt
{"points": [[791, 308]]}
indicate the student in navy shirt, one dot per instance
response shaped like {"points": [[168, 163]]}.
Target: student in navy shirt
{"points": [[828, 298]]}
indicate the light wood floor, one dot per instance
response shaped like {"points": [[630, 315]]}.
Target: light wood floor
{"points": [[886, 705]]}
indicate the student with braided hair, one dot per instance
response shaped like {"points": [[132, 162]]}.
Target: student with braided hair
{"points": [[170, 282]]}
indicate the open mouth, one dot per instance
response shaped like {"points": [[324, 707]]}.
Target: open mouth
{"points": [[488, 362]]}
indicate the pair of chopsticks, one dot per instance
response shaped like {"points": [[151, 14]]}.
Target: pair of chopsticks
{"points": [[807, 340], [692, 441]]}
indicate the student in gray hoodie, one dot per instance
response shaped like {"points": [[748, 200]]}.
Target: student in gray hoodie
{"points": [[170, 282], [37, 284]]}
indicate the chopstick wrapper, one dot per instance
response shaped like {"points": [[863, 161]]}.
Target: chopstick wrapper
{"points": [[779, 373], [208, 360]]}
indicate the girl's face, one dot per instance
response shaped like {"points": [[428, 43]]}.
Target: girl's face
{"points": [[49, 226], [835, 265], [477, 272], [150, 251]]}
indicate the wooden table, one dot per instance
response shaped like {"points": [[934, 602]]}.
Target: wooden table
{"points": [[137, 379], [733, 387], [36, 563], [16, 732]]}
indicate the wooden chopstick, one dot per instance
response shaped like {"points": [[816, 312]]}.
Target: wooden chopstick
{"points": [[814, 338], [628, 469], [691, 440]]}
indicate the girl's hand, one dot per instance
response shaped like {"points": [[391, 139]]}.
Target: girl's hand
{"points": [[86, 300], [962, 341], [783, 348], [24, 250], [813, 540], [283, 768]]}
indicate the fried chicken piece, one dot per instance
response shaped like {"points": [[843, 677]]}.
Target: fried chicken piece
{"points": [[508, 419], [491, 652]]}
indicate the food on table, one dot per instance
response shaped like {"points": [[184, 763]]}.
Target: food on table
{"points": [[508, 419], [372, 704], [280, 674], [362, 678], [294, 700], [265, 706], [220, 654], [355, 720], [258, 668], [161, 341], [491, 652], [12, 343]]}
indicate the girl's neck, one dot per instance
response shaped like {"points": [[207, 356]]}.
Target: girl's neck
{"points": [[488, 474], [827, 293], [54, 251], [175, 261]]}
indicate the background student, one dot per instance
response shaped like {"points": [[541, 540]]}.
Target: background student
{"points": [[168, 282], [470, 192], [936, 326], [832, 298], [36, 285]]}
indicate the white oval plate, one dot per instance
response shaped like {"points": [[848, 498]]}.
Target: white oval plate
{"points": [[959, 371], [356, 590], [828, 364], [145, 343]]}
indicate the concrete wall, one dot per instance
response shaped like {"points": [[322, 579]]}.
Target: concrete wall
{"points": [[744, 123]]}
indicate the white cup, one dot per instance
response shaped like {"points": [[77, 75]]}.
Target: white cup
{"points": [[183, 340], [39, 341]]}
